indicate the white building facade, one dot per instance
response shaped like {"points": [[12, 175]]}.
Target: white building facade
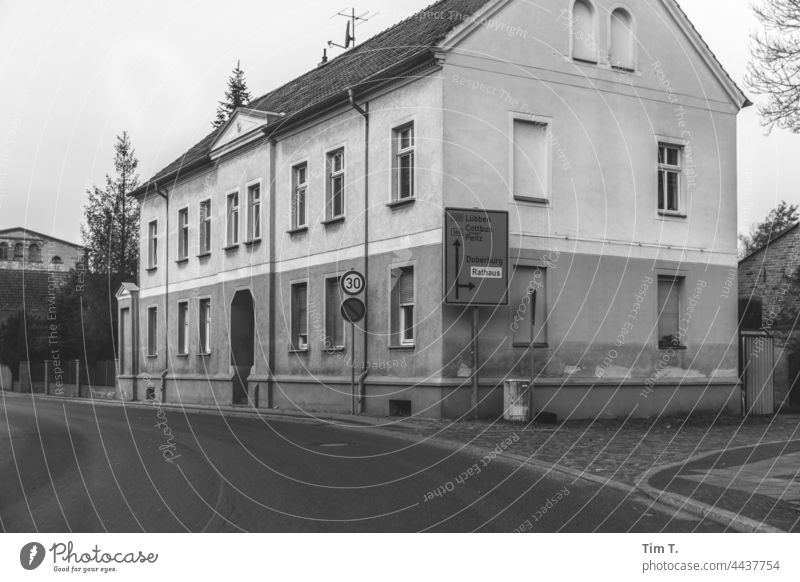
{"points": [[606, 130]]}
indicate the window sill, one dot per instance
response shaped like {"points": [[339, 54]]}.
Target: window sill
{"points": [[298, 350], [536, 346], [403, 347], [403, 202], [152, 356], [229, 248], [182, 261], [183, 356], [532, 200], [204, 255], [665, 348], [334, 350], [252, 243], [332, 221], [204, 355], [151, 269], [584, 61], [619, 69], [297, 231], [671, 214]]}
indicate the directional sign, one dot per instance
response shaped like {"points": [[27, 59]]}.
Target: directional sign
{"points": [[353, 310], [475, 257], [353, 283]]}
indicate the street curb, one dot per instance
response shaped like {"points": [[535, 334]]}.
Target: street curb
{"points": [[720, 516]]}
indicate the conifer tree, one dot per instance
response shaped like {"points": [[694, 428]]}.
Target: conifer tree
{"points": [[236, 95]]}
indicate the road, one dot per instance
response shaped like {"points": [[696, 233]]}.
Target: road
{"points": [[76, 467]]}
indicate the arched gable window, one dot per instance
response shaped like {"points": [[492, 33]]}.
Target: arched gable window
{"points": [[584, 37], [34, 254], [57, 260], [18, 250], [621, 41], [3, 251]]}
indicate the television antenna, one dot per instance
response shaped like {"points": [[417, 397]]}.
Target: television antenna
{"points": [[350, 31]]}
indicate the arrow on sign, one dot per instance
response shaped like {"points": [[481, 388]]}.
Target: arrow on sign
{"points": [[459, 285]]}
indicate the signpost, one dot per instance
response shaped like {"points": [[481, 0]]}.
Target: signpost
{"points": [[353, 310], [476, 269]]}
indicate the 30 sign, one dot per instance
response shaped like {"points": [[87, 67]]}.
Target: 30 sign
{"points": [[353, 283]]}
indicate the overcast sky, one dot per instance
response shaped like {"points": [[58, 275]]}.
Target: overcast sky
{"points": [[75, 74]]}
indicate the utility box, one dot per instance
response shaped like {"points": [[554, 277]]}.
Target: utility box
{"points": [[517, 401]]}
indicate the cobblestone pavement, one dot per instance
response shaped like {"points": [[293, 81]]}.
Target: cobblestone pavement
{"points": [[621, 450]]}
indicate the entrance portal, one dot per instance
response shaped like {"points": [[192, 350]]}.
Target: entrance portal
{"points": [[242, 342]]}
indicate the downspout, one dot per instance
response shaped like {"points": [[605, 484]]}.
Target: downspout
{"points": [[165, 196], [272, 238], [362, 387]]}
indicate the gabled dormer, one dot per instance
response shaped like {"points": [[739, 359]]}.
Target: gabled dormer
{"points": [[242, 128]]}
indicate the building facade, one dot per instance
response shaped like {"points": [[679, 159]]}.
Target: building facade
{"points": [[32, 266], [607, 131], [769, 296]]}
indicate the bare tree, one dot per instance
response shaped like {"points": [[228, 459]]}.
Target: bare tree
{"points": [[775, 68]]}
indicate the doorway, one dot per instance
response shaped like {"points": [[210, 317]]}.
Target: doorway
{"points": [[242, 342]]}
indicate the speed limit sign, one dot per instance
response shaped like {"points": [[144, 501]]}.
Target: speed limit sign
{"points": [[353, 283]]}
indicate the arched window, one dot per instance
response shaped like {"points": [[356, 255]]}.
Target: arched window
{"points": [[34, 254], [57, 260], [18, 252], [584, 37], [621, 41], [3, 251]]}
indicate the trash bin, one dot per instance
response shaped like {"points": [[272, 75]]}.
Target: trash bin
{"points": [[516, 403]]}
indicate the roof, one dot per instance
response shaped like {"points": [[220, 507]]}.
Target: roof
{"points": [[28, 233], [378, 59], [411, 38], [772, 239]]}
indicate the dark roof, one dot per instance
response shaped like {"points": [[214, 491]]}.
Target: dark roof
{"points": [[403, 42], [772, 239], [35, 234]]}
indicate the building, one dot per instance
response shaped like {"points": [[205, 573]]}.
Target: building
{"points": [[32, 266], [606, 130], [768, 292]]}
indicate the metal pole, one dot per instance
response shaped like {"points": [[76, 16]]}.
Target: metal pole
{"points": [[475, 378], [353, 367]]}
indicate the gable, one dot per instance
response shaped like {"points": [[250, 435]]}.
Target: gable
{"points": [[243, 127]]}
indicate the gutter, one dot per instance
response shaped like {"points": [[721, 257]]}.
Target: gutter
{"points": [[362, 387]]}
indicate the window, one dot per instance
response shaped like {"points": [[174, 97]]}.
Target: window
{"points": [[669, 178], [403, 146], [204, 324], [183, 328], [152, 331], [531, 160], [233, 219], [524, 281], [3, 251], [299, 196], [402, 311], [183, 234], [335, 193], [334, 322], [18, 249], [621, 41], [584, 39], [34, 254], [57, 260], [205, 227], [300, 316], [254, 212], [152, 245], [669, 298], [124, 325]]}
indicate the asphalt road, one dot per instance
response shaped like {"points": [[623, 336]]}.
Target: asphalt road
{"points": [[74, 467]]}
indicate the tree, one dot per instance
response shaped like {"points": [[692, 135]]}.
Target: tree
{"points": [[779, 219], [111, 232], [23, 338], [775, 68], [237, 95]]}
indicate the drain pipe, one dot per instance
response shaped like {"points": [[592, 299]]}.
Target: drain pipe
{"points": [[163, 193], [362, 386]]}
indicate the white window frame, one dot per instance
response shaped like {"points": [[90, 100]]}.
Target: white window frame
{"points": [[679, 277], [232, 214], [329, 177], [634, 53], [397, 153], [595, 31], [152, 331], [207, 326], [206, 226], [299, 346], [514, 315], [680, 145], [183, 347], [183, 248], [332, 348], [251, 234], [402, 343], [535, 119], [296, 223], [152, 244]]}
